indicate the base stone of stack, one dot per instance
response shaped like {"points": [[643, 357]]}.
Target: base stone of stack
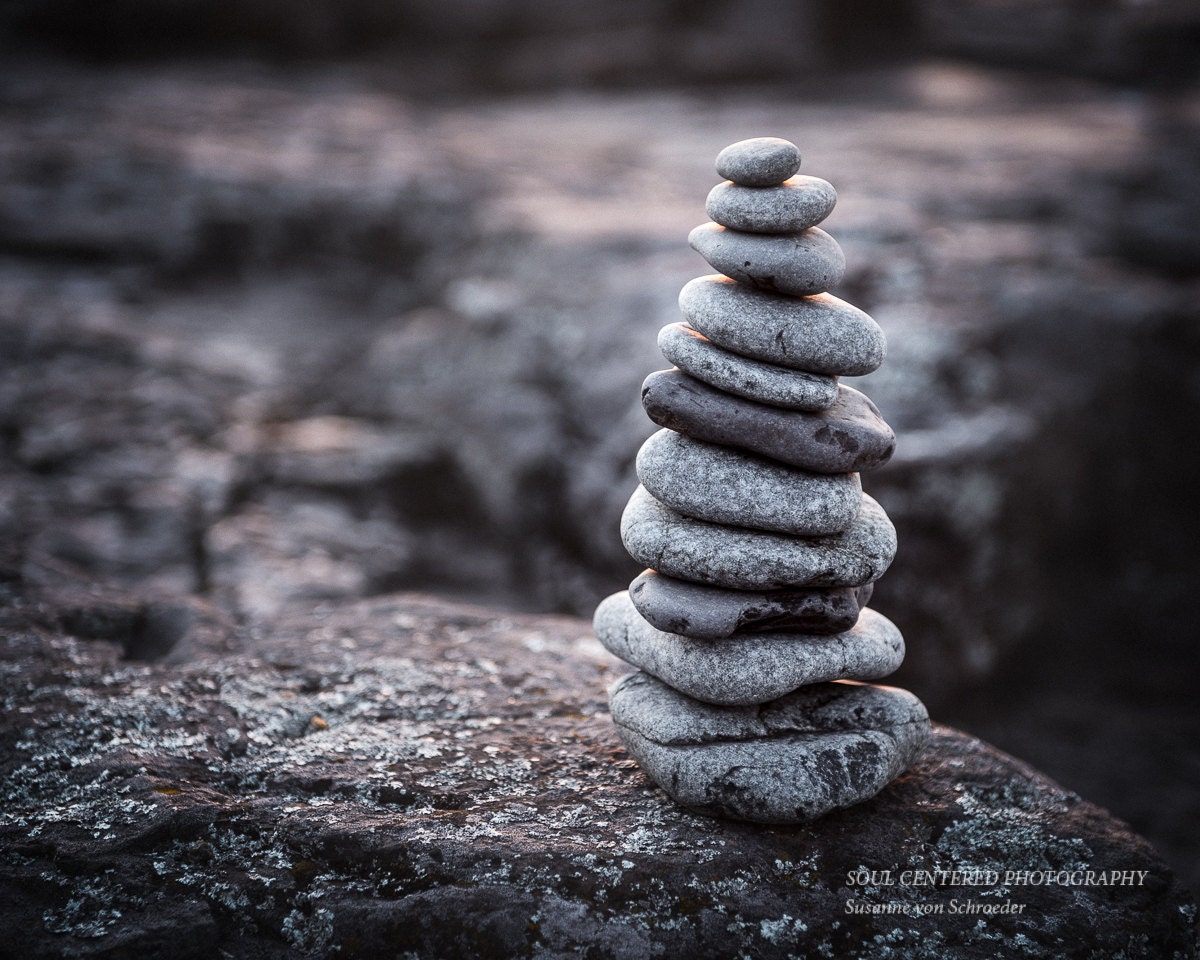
{"points": [[794, 759]]}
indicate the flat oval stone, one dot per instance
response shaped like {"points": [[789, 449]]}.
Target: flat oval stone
{"points": [[788, 207], [820, 334], [795, 263], [818, 749], [695, 354], [723, 485], [750, 667], [713, 613], [847, 437], [665, 540], [759, 161]]}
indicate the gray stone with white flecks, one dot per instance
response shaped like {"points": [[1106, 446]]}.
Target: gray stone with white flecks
{"points": [[794, 205], [818, 749], [665, 540], [725, 485], [792, 263], [818, 334], [713, 613], [759, 161], [752, 667], [698, 356], [847, 437]]}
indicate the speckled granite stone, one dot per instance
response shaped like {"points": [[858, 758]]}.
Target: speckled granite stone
{"points": [[665, 540], [712, 613], [748, 668], [846, 437], [794, 205], [820, 334], [742, 376], [795, 263], [794, 759], [724, 485]]}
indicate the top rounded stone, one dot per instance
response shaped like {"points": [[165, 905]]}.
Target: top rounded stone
{"points": [[759, 162]]}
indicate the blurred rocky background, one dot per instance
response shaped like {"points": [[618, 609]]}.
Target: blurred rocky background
{"points": [[301, 303]]}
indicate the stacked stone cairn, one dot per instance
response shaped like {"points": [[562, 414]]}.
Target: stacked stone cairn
{"points": [[750, 629]]}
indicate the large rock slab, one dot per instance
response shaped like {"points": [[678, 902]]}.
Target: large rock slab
{"points": [[794, 759], [748, 668], [410, 776]]}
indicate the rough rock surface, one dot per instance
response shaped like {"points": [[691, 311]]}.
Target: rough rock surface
{"points": [[408, 777]]}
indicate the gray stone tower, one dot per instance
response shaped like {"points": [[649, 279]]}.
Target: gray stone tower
{"points": [[750, 627]]}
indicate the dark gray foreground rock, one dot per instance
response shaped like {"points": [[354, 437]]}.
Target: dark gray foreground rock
{"points": [[409, 777]]}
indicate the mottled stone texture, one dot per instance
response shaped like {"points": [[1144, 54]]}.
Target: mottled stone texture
{"points": [[403, 777]]}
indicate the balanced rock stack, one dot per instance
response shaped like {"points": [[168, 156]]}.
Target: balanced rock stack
{"points": [[750, 627]]}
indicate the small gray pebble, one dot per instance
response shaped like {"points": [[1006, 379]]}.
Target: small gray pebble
{"points": [[769, 383], [751, 667], [818, 749], [847, 437], [723, 485], [758, 162], [792, 206], [713, 613], [723, 556], [820, 334], [793, 263]]}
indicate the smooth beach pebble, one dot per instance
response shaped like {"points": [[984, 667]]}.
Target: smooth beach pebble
{"points": [[724, 485], [789, 207], [819, 334], [750, 667], [793, 263], [759, 161], [769, 383], [713, 613], [817, 749], [723, 556], [847, 437]]}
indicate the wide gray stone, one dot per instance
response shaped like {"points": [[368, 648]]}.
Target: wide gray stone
{"points": [[846, 437], [759, 161], [724, 485], [751, 667], [713, 613], [818, 749], [819, 334], [665, 540], [791, 206], [795, 263], [769, 383]]}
